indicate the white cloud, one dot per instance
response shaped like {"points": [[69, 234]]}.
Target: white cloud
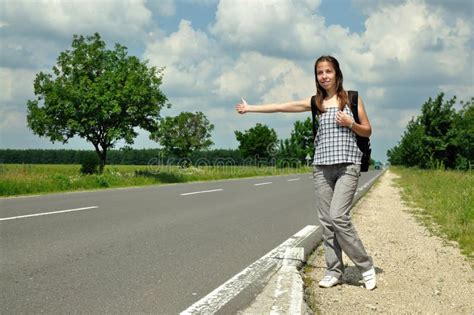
{"points": [[375, 94], [404, 116], [185, 47], [35, 32], [462, 92], [451, 9], [275, 27], [24, 52], [403, 41], [268, 78], [196, 63], [191, 58], [11, 120], [162, 7], [17, 86], [412, 41], [118, 19]]}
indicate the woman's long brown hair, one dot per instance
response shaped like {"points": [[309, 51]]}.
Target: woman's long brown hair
{"points": [[321, 93]]}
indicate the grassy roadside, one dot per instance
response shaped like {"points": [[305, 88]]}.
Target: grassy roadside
{"points": [[444, 201], [447, 193], [20, 179]]}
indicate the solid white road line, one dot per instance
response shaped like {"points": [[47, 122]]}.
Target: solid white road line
{"points": [[47, 213], [215, 300], [369, 183], [260, 184], [200, 192]]}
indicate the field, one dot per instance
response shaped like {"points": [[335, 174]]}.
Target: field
{"points": [[444, 201], [18, 179]]}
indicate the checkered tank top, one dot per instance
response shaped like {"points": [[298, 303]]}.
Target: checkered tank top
{"points": [[335, 144]]}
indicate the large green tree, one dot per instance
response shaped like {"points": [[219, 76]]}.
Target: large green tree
{"points": [[437, 118], [258, 142], [98, 94], [439, 137], [463, 135], [182, 135]]}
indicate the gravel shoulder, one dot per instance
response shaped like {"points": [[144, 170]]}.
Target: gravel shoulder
{"points": [[416, 271]]}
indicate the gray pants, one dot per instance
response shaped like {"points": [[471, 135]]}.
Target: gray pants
{"points": [[335, 189]]}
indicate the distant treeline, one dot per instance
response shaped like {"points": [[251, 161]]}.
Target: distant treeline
{"points": [[121, 157]]}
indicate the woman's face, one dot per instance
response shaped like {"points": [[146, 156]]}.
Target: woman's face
{"points": [[326, 75]]}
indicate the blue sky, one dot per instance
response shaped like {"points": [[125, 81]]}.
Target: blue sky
{"points": [[395, 53]]}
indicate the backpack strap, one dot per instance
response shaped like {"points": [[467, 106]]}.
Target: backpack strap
{"points": [[362, 142], [314, 112], [354, 99]]}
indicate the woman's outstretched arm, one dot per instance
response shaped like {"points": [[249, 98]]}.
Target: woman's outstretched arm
{"points": [[289, 107]]}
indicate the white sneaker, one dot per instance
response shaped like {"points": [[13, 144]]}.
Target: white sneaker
{"points": [[328, 281], [369, 279]]}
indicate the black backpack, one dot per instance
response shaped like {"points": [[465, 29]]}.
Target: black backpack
{"points": [[362, 142]]}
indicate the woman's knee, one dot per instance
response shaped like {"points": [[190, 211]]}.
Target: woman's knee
{"points": [[340, 221]]}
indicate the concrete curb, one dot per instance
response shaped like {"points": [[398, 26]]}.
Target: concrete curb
{"points": [[239, 291], [284, 293]]}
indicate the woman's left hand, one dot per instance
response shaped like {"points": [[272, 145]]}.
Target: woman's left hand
{"points": [[343, 119]]}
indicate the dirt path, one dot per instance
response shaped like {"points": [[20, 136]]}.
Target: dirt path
{"points": [[416, 272]]}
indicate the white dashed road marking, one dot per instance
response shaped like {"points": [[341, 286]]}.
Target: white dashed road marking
{"points": [[260, 184], [293, 179], [47, 213], [201, 192]]}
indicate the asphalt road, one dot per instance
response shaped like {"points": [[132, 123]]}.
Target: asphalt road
{"points": [[156, 249]]}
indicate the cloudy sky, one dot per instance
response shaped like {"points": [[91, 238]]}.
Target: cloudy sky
{"points": [[395, 53]]}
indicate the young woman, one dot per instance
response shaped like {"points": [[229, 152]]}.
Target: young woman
{"points": [[336, 167]]}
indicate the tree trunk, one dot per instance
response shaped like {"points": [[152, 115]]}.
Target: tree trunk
{"points": [[102, 155], [102, 158]]}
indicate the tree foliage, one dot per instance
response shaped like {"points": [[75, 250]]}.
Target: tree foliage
{"points": [[258, 142], [184, 134], [293, 151], [97, 94], [439, 137]]}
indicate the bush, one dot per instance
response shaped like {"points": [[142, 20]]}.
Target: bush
{"points": [[90, 164], [102, 181], [462, 163]]}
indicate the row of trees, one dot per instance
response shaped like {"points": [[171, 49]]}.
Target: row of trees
{"points": [[259, 145], [440, 137], [119, 157], [261, 142]]}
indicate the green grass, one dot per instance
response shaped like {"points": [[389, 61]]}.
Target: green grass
{"points": [[445, 202], [19, 179]]}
